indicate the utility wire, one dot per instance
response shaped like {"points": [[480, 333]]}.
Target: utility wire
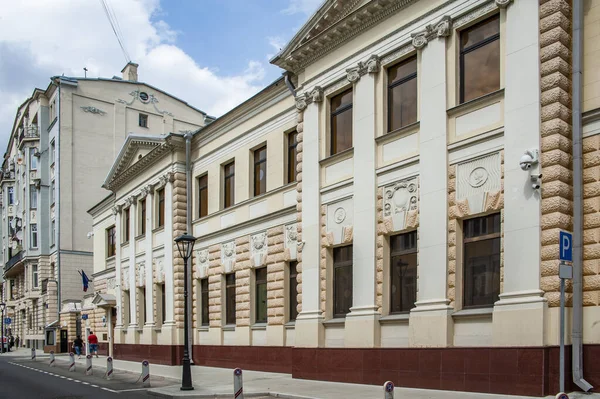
{"points": [[114, 24]]}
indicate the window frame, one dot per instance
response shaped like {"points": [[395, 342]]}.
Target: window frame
{"points": [[339, 265], [473, 47], [142, 206], [126, 224], [204, 298], [53, 232], [262, 283], [111, 245], [32, 157], [226, 178], [35, 276], [202, 188], [292, 152], [33, 193], [143, 120], [292, 299], [396, 253], [391, 86], [230, 311], [11, 195], [258, 162], [160, 207], [333, 114], [34, 233]]}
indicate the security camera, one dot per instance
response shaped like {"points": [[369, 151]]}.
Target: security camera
{"points": [[90, 234], [535, 186], [528, 159], [535, 178]]}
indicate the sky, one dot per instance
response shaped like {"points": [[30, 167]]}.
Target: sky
{"points": [[214, 54]]}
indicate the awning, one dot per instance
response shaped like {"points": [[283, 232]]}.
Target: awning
{"points": [[104, 300], [54, 324]]}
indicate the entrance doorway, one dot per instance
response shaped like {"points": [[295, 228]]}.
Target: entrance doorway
{"points": [[64, 341]]}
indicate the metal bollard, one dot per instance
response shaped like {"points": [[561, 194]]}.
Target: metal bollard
{"points": [[88, 365], [388, 390], [238, 384], [109, 368], [32, 353], [145, 373], [562, 395], [71, 361], [52, 359]]}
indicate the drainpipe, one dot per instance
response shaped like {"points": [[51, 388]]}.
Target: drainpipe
{"points": [[577, 331], [188, 213], [57, 200], [289, 84]]}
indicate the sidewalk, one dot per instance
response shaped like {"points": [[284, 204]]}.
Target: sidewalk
{"points": [[217, 382]]}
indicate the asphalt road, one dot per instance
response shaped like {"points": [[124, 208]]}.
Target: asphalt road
{"points": [[23, 379]]}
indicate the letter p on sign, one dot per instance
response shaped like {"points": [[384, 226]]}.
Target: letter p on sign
{"points": [[566, 246]]}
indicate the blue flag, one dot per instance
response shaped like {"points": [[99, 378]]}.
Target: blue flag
{"points": [[85, 280]]}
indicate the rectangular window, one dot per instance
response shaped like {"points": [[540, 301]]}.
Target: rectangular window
{"points": [[204, 299], [161, 207], [143, 216], [203, 196], [260, 306], [110, 240], [11, 195], [143, 120], [260, 171], [293, 291], [53, 233], [126, 227], [292, 152], [341, 122], [52, 192], [34, 235], [403, 272], [34, 276], [402, 94], [230, 298], [163, 308], [342, 281], [33, 197], [53, 145], [480, 59], [33, 160], [481, 252], [229, 184], [52, 111]]}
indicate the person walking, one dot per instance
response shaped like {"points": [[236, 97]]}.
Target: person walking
{"points": [[78, 346], [17, 341], [93, 341], [11, 342]]}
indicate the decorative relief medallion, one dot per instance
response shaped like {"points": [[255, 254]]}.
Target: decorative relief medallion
{"points": [[400, 202], [202, 265], [93, 110], [340, 221], [228, 256], [339, 215], [259, 248], [477, 178], [144, 98], [111, 283]]}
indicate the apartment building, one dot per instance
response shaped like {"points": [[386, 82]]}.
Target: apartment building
{"points": [[390, 209], [63, 143]]}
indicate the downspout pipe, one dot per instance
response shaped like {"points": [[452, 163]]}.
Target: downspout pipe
{"points": [[188, 214], [57, 199], [577, 329], [289, 84]]}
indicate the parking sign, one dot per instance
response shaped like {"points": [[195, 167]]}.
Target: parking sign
{"points": [[566, 246]]}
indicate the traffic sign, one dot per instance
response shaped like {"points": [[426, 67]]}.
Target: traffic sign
{"points": [[84, 317], [7, 320], [566, 246]]}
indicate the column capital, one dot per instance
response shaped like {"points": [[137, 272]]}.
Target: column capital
{"points": [[313, 96], [116, 209], [503, 3], [144, 192], [440, 29], [372, 65]]}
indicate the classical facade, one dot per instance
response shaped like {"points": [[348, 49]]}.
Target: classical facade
{"points": [[390, 209], [63, 142]]}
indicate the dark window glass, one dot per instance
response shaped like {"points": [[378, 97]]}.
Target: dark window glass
{"points": [[261, 295], [163, 295], [143, 120], [143, 216], [111, 244], [403, 272], [230, 298], [126, 225], [293, 291], [203, 196], [143, 305], [260, 171], [161, 207], [481, 239], [342, 281], [229, 184], [402, 94], [341, 122], [204, 299], [292, 155], [480, 59]]}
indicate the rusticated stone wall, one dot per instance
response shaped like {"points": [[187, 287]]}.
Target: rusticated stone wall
{"points": [[214, 285], [179, 227], [556, 145], [242, 281], [459, 210], [591, 221], [299, 151], [276, 276]]}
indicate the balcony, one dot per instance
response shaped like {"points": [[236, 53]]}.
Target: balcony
{"points": [[13, 261], [31, 132]]}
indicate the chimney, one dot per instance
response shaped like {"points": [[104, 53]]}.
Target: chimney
{"points": [[130, 72]]}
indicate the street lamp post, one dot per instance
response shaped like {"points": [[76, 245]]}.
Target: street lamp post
{"points": [[185, 245], [2, 307]]}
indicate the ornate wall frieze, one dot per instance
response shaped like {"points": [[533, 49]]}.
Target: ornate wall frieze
{"points": [[476, 179], [474, 14], [401, 203], [440, 29], [147, 99], [339, 223], [93, 110]]}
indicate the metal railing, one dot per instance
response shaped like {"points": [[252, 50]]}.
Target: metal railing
{"points": [[13, 261]]}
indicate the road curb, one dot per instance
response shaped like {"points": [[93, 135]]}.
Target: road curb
{"points": [[158, 392]]}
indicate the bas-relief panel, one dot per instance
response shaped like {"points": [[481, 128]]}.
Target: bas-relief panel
{"points": [[258, 249], [401, 203], [159, 267], [228, 256], [476, 179], [340, 221], [202, 263], [140, 274], [291, 240], [125, 278]]}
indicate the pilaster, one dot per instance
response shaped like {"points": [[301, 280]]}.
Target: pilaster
{"points": [[169, 327], [133, 325]]}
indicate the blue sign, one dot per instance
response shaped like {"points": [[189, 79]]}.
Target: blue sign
{"points": [[566, 246], [7, 320], [84, 317]]}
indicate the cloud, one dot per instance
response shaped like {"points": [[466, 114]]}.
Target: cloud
{"points": [[302, 6], [71, 35], [277, 42]]}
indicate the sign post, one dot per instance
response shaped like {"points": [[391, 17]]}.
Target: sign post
{"points": [[388, 390], [238, 384], [52, 359], [146, 373], [71, 361], [88, 365], [565, 271], [109, 368]]}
